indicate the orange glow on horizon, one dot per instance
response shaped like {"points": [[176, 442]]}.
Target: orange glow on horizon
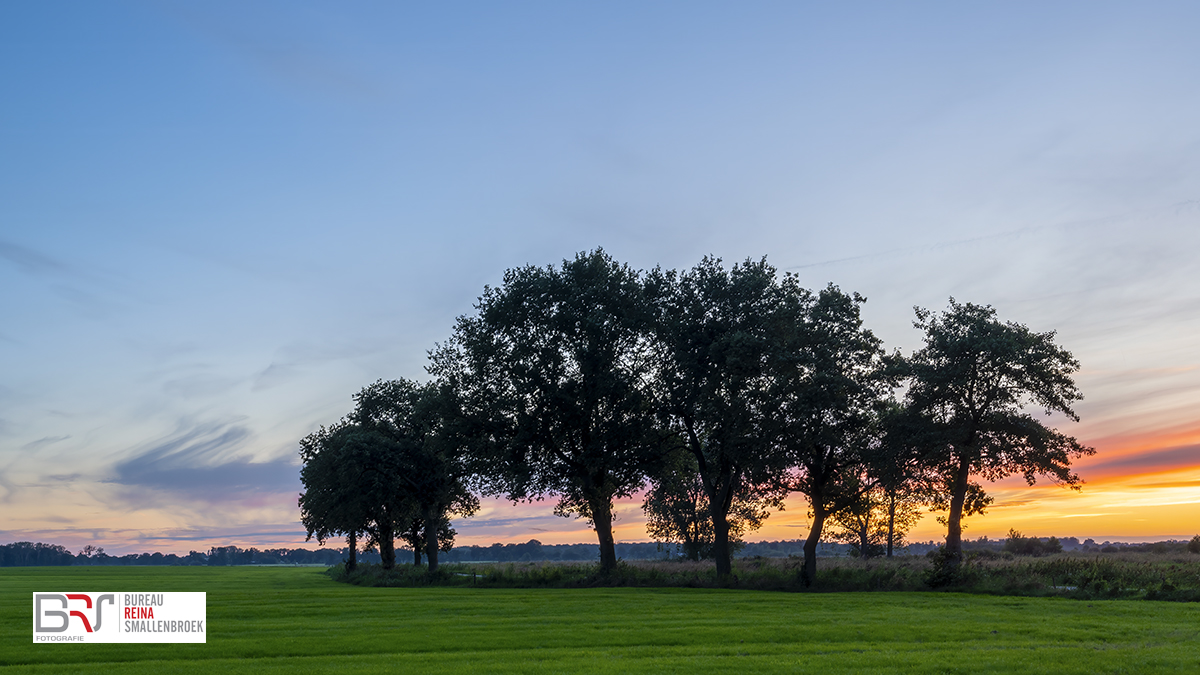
{"points": [[1119, 500]]}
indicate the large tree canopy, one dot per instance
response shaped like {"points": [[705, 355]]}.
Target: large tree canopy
{"points": [[716, 333], [832, 386], [971, 385], [552, 370]]}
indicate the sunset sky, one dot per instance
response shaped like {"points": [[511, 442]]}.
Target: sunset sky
{"points": [[219, 220]]}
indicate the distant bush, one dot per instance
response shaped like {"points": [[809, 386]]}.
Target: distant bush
{"points": [[1018, 545], [1194, 545]]}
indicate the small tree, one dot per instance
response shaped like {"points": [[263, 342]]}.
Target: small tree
{"points": [[1019, 545], [1194, 545], [970, 385], [414, 535], [417, 426], [677, 510], [878, 522], [861, 526], [335, 502]]}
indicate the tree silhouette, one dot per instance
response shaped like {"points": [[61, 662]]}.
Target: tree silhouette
{"points": [[716, 331], [334, 502], [970, 385], [424, 464], [832, 385], [551, 373], [677, 510]]}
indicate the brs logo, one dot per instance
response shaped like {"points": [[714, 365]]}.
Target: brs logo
{"points": [[59, 605]]}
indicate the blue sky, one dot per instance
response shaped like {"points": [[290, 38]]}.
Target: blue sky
{"points": [[220, 220]]}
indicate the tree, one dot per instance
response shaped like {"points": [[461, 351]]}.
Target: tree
{"points": [[831, 384], [904, 481], [334, 502], [901, 511], [414, 536], [970, 385], [862, 525], [715, 332], [677, 510], [551, 372], [416, 428], [91, 554], [389, 467], [877, 523], [1019, 545]]}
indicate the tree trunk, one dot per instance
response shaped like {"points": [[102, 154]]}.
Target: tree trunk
{"points": [[720, 500], [809, 575], [891, 521], [958, 498], [864, 538], [352, 544], [387, 545], [413, 536], [601, 509], [721, 552], [432, 521]]}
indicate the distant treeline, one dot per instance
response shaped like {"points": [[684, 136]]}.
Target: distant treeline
{"points": [[22, 554], [26, 554]]}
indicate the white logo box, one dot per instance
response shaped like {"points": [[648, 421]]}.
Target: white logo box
{"points": [[66, 617]]}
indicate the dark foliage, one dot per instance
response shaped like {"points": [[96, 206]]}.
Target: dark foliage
{"points": [[969, 388], [833, 385], [717, 333], [1018, 545], [24, 553], [551, 374]]}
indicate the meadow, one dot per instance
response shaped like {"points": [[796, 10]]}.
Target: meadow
{"points": [[297, 620]]}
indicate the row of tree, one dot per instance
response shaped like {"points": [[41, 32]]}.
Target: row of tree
{"points": [[719, 390]]}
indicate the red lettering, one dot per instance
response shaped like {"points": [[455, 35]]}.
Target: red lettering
{"points": [[81, 596], [87, 626]]}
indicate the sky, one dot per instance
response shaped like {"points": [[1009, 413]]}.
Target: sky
{"points": [[220, 220]]}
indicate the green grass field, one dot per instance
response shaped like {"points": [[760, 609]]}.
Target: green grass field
{"points": [[295, 620]]}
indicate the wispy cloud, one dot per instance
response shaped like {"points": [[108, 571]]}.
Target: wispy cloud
{"points": [[30, 261], [204, 461], [44, 441], [1149, 461]]}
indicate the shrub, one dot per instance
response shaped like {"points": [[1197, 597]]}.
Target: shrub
{"points": [[1018, 545]]}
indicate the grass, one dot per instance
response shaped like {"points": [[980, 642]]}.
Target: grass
{"points": [[293, 620]]}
